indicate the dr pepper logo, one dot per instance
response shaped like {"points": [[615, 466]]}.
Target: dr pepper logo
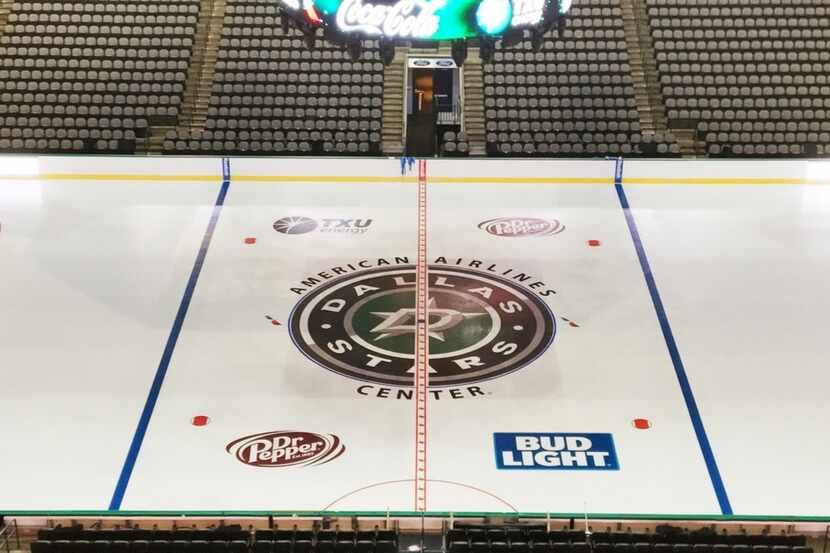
{"points": [[512, 227], [286, 448]]}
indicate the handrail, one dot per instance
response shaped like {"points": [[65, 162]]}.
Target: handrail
{"points": [[7, 532]]}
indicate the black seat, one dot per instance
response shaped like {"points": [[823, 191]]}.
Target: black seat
{"points": [[456, 534], [325, 546], [498, 546], [264, 546], [283, 546], [159, 546], [516, 535], [237, 546], [537, 536], [139, 546], [83, 546], [459, 546], [519, 547], [540, 547], [302, 546], [365, 546], [476, 535], [579, 547], [120, 546], [662, 548], [180, 546], [385, 546], [344, 547], [216, 546], [264, 535], [41, 546], [497, 534]]}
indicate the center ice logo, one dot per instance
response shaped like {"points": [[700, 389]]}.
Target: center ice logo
{"points": [[480, 326], [286, 449]]}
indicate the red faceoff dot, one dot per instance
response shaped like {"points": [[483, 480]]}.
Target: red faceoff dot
{"points": [[641, 424], [200, 420], [250, 240], [593, 243]]}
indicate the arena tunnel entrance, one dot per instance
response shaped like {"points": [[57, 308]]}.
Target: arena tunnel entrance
{"points": [[433, 103]]}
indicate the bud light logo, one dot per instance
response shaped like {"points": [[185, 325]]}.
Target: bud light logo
{"points": [[514, 227], [286, 449], [555, 451]]}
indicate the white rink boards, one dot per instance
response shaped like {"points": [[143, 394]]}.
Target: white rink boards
{"points": [[646, 337]]}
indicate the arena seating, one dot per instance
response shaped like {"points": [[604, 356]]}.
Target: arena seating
{"points": [[454, 144], [573, 97], [750, 75], [91, 76], [274, 95], [221, 540], [500, 539]]}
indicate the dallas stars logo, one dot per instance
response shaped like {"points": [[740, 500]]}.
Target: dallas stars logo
{"points": [[480, 326], [394, 323]]}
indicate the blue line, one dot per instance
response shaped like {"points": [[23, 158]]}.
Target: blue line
{"points": [[152, 397], [674, 353]]}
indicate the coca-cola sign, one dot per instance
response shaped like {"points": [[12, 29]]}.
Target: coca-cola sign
{"points": [[286, 448], [521, 226], [404, 19]]}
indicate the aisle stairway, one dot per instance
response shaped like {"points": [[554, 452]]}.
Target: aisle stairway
{"points": [[643, 64], [393, 138], [473, 103], [200, 74]]}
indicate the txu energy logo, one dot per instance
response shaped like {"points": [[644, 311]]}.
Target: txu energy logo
{"points": [[480, 326]]}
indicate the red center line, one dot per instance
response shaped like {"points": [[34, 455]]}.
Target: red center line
{"points": [[421, 344]]}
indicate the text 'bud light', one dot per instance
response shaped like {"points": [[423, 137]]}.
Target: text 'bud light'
{"points": [[555, 451]]}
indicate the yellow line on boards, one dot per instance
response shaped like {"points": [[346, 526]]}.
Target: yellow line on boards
{"points": [[519, 180], [715, 181], [321, 179]]}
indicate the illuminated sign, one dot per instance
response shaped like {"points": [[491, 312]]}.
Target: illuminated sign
{"points": [[425, 19]]}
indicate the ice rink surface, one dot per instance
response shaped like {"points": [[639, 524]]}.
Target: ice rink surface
{"points": [[183, 334]]}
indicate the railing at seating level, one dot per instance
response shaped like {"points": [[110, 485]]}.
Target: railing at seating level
{"points": [[8, 536]]}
